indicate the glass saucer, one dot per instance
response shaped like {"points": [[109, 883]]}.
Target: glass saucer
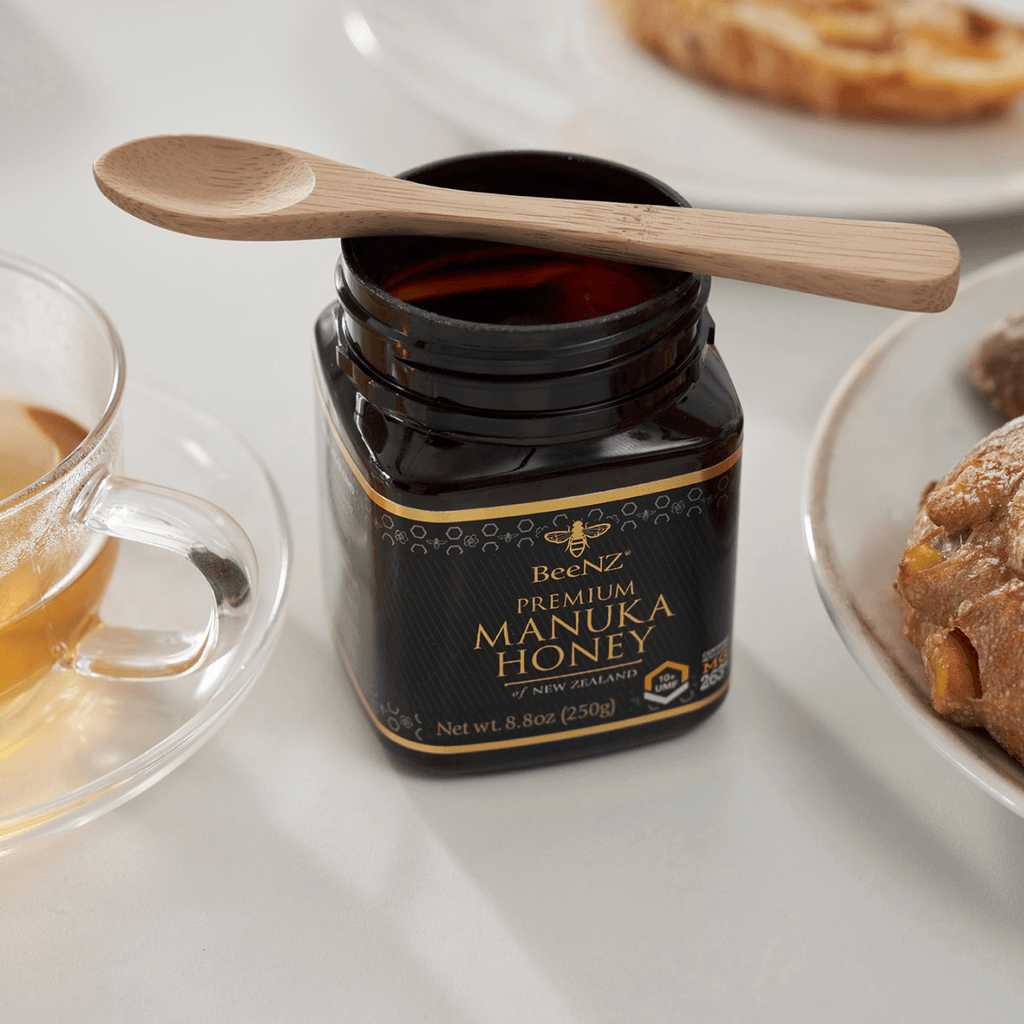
{"points": [[97, 743], [902, 416]]}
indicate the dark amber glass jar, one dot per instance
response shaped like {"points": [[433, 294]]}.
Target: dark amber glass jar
{"points": [[530, 468]]}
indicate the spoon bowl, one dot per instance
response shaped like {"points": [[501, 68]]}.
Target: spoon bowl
{"points": [[226, 178], [226, 188]]}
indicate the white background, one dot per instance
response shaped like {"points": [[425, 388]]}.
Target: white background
{"points": [[802, 856]]}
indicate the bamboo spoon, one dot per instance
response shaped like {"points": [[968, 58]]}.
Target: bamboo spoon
{"points": [[228, 188]]}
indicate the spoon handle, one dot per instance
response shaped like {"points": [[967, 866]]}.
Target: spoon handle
{"points": [[896, 265], [229, 188]]}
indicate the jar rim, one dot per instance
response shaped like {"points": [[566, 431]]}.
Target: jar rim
{"points": [[351, 263], [580, 369]]}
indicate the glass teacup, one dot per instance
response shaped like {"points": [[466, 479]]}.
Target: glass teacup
{"points": [[64, 507]]}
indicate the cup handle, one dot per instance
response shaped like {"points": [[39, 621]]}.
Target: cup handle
{"points": [[186, 525]]}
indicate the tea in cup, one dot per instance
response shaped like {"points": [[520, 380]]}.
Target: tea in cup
{"points": [[64, 506]]}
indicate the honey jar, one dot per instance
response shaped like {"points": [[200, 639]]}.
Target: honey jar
{"points": [[530, 465]]}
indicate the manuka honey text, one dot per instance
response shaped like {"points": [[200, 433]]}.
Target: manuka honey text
{"points": [[594, 626]]}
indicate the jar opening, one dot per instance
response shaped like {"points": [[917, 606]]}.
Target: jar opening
{"points": [[519, 286], [455, 279], [469, 328]]}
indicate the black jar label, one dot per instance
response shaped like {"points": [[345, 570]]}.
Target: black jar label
{"points": [[485, 628]]}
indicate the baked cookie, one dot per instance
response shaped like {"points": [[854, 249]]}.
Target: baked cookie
{"points": [[961, 579], [923, 60], [996, 368]]}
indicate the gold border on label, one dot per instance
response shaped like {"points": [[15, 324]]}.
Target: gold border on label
{"points": [[527, 507], [522, 741]]}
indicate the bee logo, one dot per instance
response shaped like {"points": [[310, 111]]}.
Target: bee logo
{"points": [[575, 539]]}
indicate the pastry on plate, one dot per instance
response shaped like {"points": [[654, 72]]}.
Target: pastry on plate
{"points": [[996, 367], [924, 60], [961, 579]]}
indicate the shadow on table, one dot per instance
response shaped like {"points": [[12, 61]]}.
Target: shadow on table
{"points": [[733, 867], [285, 836], [757, 850]]}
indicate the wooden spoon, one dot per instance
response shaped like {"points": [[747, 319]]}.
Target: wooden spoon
{"points": [[228, 188]]}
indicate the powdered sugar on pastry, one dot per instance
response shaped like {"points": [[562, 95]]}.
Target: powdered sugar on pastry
{"points": [[961, 579]]}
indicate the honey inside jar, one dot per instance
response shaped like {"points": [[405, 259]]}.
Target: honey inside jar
{"points": [[524, 286]]}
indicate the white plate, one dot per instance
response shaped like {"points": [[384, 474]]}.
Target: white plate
{"points": [[104, 742], [903, 416], [560, 74]]}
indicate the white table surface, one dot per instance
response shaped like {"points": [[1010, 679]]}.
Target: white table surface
{"points": [[802, 856]]}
